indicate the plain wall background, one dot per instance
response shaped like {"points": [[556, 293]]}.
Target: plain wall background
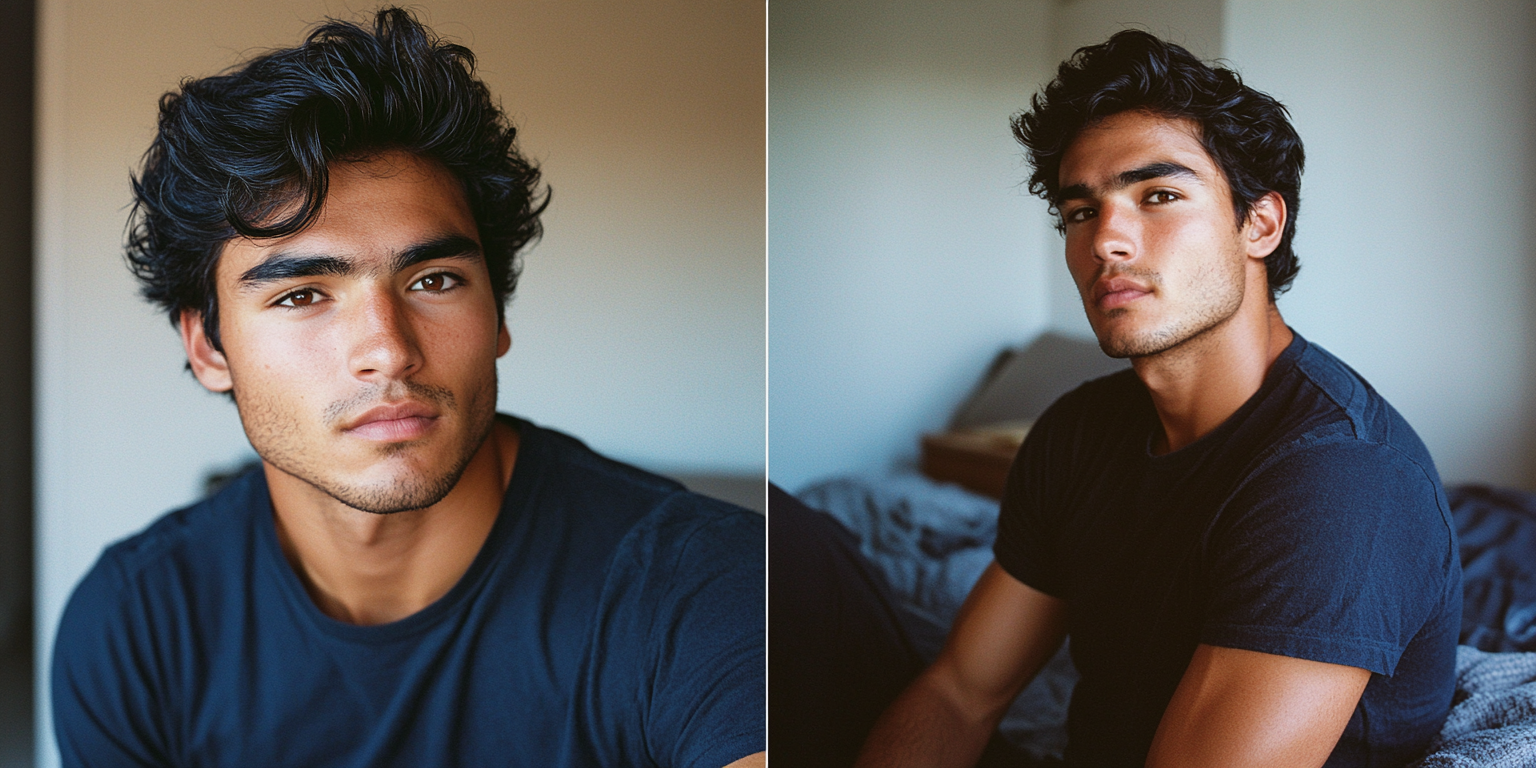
{"points": [[903, 254], [638, 324], [1414, 232]]}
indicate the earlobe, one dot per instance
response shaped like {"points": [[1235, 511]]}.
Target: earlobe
{"points": [[503, 340], [208, 364], [1265, 225]]}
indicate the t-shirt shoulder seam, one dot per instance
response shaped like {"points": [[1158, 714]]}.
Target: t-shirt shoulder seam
{"points": [[133, 556], [1306, 373]]}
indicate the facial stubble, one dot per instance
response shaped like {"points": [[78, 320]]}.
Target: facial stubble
{"points": [[279, 439], [1218, 294]]}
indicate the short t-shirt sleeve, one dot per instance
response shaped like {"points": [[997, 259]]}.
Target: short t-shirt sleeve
{"points": [[1026, 532], [690, 595], [103, 706], [1337, 551]]}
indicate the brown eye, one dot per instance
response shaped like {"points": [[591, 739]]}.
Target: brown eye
{"points": [[298, 299], [436, 283]]}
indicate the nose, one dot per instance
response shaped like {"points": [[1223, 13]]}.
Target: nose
{"points": [[382, 341], [1116, 234]]}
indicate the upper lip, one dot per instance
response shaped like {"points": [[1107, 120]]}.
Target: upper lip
{"points": [[1108, 285], [391, 411]]}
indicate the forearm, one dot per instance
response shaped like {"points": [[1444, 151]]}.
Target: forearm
{"points": [[926, 726]]}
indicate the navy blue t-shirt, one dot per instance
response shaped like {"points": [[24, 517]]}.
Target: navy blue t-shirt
{"points": [[1310, 524], [611, 618]]}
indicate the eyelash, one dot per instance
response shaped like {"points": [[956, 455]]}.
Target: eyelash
{"points": [[282, 302], [455, 282], [1078, 215]]}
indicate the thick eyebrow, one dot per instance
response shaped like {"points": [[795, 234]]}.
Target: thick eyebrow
{"points": [[286, 266], [449, 247], [1126, 178]]}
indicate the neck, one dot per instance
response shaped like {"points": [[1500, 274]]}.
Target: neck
{"points": [[365, 568], [1198, 384]]}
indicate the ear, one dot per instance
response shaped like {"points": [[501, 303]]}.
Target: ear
{"points": [[208, 364], [503, 340], [1265, 225]]}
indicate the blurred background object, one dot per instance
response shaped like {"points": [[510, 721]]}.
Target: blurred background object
{"points": [[637, 325], [16, 383]]}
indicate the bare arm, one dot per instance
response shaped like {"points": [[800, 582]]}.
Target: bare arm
{"points": [[754, 760], [1003, 635], [1247, 709]]}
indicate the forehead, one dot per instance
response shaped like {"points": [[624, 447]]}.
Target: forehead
{"points": [[1135, 139], [374, 208]]}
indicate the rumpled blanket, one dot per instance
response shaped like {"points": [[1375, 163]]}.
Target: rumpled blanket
{"points": [[1493, 715], [1497, 531], [932, 541]]}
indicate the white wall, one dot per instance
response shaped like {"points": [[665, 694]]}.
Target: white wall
{"points": [[1415, 234], [905, 253], [638, 324]]}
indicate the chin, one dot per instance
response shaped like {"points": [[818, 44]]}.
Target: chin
{"points": [[1122, 343], [381, 478], [420, 493], [388, 492]]}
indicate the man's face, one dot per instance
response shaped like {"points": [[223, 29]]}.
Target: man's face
{"points": [[362, 349], [1152, 241]]}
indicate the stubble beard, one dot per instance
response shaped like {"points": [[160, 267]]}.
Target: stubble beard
{"points": [[280, 442], [1219, 295]]}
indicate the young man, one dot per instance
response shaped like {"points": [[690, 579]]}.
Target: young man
{"points": [[412, 579], [1248, 546]]}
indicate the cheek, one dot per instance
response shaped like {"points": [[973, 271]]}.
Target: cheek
{"points": [[466, 334], [287, 364], [1080, 261]]}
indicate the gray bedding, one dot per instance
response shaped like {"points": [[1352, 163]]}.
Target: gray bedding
{"points": [[1493, 719]]}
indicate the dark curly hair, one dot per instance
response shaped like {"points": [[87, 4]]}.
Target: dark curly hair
{"points": [[1248, 134], [237, 149]]}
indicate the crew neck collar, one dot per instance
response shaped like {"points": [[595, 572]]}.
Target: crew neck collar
{"points": [[1284, 363]]}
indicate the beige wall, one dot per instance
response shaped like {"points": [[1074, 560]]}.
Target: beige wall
{"points": [[639, 322]]}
